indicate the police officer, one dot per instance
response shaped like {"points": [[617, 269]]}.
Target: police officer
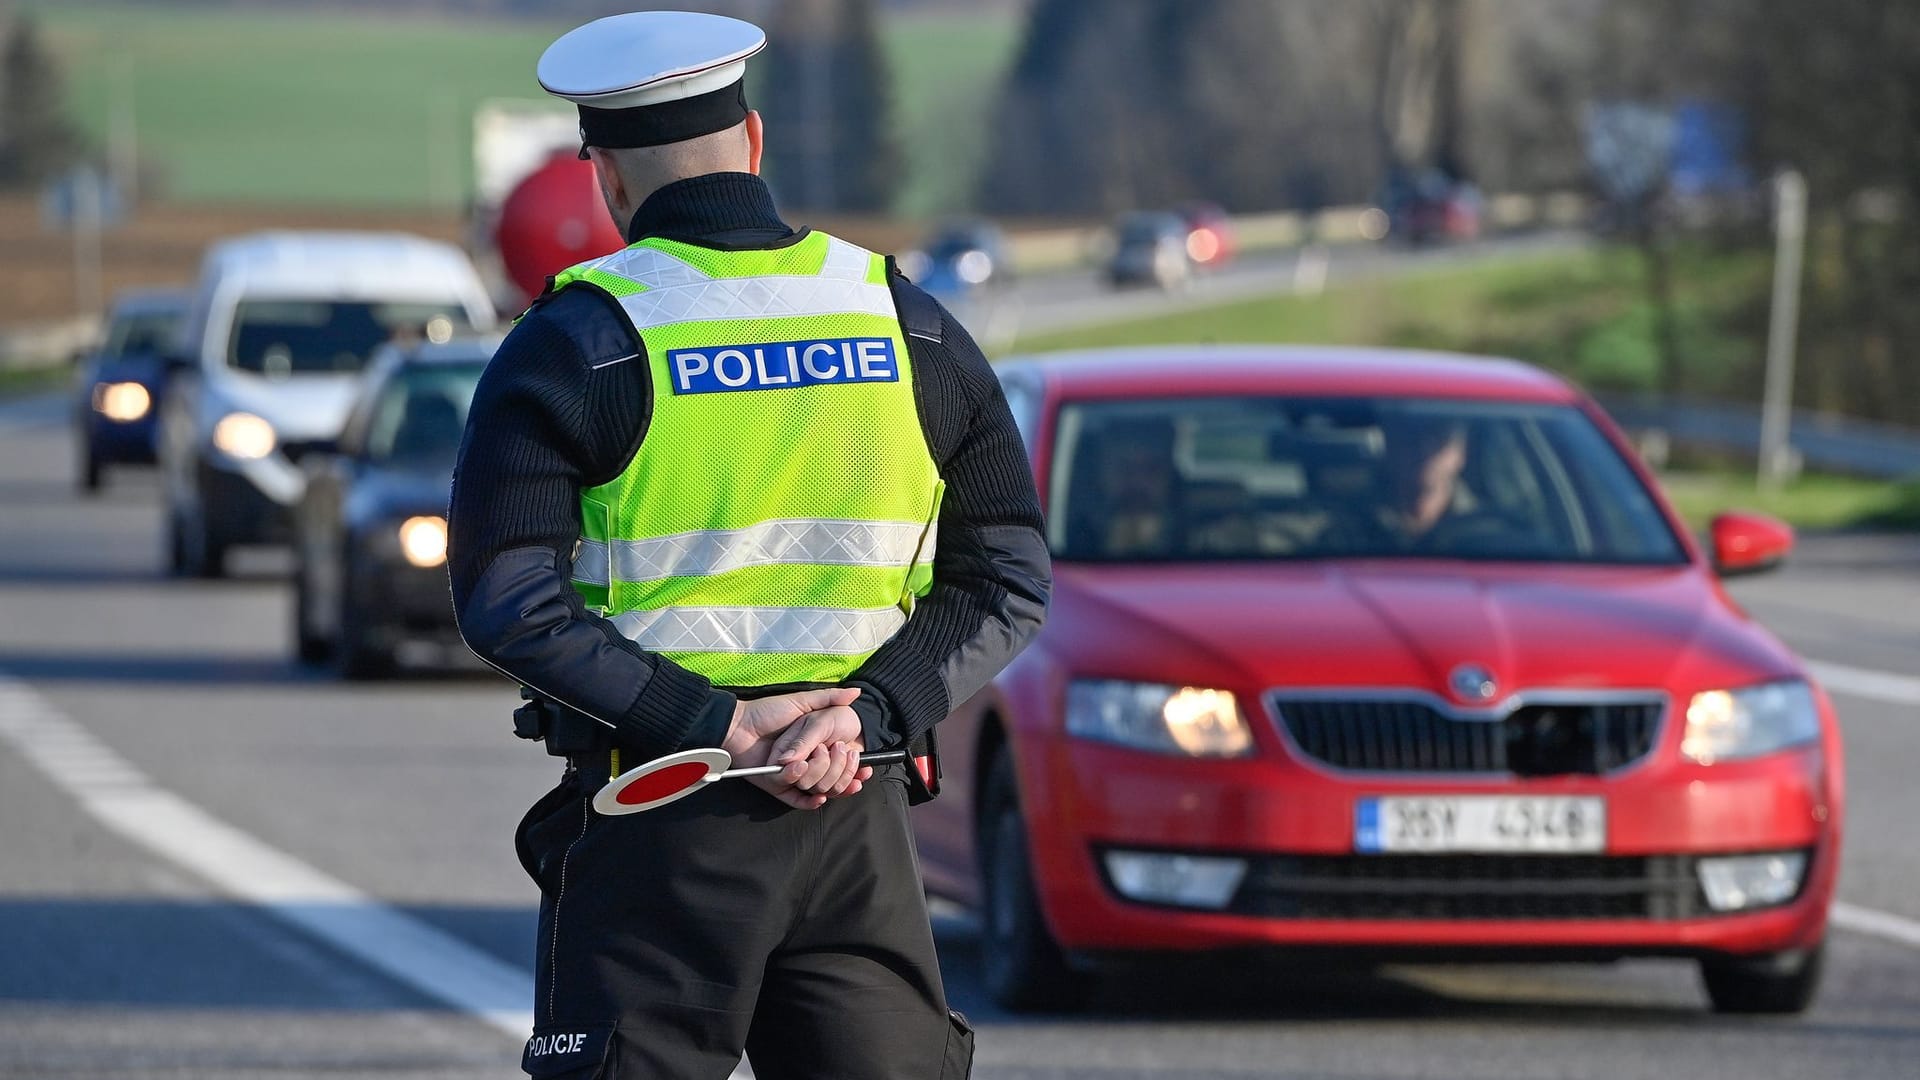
{"points": [[735, 485]]}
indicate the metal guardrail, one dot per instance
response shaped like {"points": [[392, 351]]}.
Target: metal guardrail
{"points": [[1044, 250], [1830, 443]]}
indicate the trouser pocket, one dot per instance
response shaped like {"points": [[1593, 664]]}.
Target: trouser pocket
{"points": [[958, 1064], [559, 1052], [533, 841]]}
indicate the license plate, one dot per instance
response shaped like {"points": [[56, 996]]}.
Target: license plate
{"points": [[1482, 823]]}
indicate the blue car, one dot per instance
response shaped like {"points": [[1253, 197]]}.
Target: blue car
{"points": [[120, 384]]}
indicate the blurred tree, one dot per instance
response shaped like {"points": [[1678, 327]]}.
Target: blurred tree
{"points": [[1834, 91], [1145, 102], [36, 138], [825, 90]]}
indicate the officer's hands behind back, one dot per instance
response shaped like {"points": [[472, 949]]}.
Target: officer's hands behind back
{"points": [[813, 732]]}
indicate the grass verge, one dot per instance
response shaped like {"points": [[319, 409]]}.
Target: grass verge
{"points": [[1582, 313], [1814, 501], [22, 382]]}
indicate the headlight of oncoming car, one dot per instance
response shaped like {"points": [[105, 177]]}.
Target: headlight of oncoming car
{"points": [[244, 435], [1724, 725], [1149, 716], [423, 540], [122, 401]]}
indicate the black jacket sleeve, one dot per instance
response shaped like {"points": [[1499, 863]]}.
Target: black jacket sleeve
{"points": [[560, 408], [991, 575]]}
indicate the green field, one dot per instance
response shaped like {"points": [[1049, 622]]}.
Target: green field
{"points": [[1581, 312], [362, 110]]}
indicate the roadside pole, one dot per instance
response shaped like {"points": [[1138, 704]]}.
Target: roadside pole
{"points": [[1776, 410], [89, 214]]}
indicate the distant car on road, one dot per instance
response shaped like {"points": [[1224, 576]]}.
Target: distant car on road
{"points": [[1380, 651], [280, 328], [1150, 248], [370, 544], [1428, 207], [120, 384], [960, 257]]}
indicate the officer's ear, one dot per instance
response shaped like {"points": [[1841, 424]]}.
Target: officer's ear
{"points": [[755, 137], [612, 187]]}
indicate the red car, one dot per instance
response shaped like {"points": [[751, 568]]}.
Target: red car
{"points": [[1397, 653]]}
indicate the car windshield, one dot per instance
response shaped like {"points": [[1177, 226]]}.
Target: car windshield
{"points": [[278, 338], [148, 331], [421, 414], [1280, 478], [1147, 230]]}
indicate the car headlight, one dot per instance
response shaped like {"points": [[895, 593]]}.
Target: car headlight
{"points": [[1724, 725], [124, 402], [423, 540], [244, 435], [1149, 716]]}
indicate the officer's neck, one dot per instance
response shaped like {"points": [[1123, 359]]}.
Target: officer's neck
{"points": [[710, 207]]}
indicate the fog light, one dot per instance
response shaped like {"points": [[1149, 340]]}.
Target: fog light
{"points": [[1751, 881], [1202, 881]]}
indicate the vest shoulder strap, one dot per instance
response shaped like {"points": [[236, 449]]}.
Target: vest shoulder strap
{"points": [[920, 314]]}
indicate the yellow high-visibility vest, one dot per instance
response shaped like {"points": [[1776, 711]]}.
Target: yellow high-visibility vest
{"points": [[778, 520]]}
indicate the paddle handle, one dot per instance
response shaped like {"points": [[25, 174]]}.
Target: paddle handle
{"points": [[875, 757]]}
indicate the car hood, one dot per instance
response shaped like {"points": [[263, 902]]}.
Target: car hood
{"points": [[299, 407], [383, 493], [141, 367], [1383, 624]]}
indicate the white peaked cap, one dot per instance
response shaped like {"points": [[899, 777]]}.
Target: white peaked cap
{"points": [[647, 58]]}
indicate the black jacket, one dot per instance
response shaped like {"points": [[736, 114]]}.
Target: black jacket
{"points": [[556, 413]]}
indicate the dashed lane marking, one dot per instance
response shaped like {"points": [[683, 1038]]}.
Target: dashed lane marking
{"points": [[1880, 924], [1867, 683], [125, 800], [405, 949]]}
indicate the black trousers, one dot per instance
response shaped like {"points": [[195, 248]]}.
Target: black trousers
{"points": [[674, 939]]}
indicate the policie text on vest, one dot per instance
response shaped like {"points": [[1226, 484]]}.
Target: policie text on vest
{"points": [[783, 364]]}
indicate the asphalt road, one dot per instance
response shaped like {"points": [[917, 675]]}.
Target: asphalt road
{"points": [[214, 863], [1063, 301]]}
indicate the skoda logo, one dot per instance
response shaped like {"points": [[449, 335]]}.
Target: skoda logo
{"points": [[1471, 682]]}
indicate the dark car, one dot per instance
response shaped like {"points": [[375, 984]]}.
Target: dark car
{"points": [[1427, 206], [1150, 248], [370, 541], [120, 383], [959, 257]]}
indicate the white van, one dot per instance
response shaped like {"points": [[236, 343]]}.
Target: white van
{"points": [[280, 326]]}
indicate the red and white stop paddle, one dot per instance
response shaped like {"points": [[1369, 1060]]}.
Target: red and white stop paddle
{"points": [[676, 776]]}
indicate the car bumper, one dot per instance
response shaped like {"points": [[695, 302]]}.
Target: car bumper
{"points": [[237, 510], [408, 602], [1305, 885], [129, 442]]}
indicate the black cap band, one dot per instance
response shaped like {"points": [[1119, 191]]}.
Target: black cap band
{"points": [[667, 122]]}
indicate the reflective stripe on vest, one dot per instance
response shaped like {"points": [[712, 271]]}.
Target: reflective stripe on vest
{"points": [[778, 520]]}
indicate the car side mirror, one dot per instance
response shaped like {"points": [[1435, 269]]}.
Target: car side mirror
{"points": [[1748, 543]]}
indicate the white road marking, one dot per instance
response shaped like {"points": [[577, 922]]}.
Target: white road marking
{"points": [[399, 946], [407, 950], [1867, 683], [1880, 924]]}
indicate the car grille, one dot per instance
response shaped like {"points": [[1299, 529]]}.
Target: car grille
{"points": [[295, 451], [1418, 736], [1657, 887]]}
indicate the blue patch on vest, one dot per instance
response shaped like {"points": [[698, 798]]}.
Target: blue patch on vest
{"points": [[782, 364]]}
